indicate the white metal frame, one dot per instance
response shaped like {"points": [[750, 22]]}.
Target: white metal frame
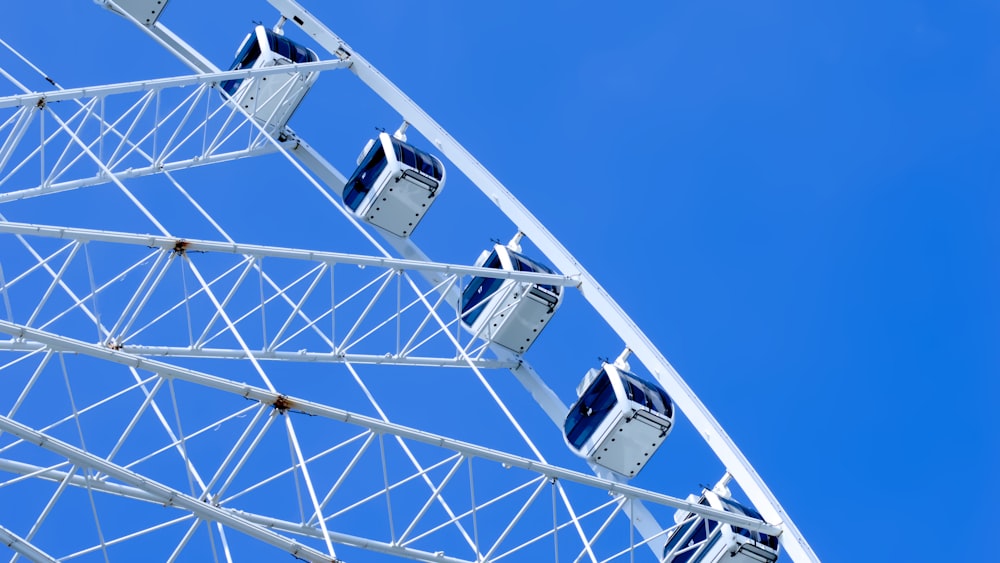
{"points": [[147, 133], [338, 336], [715, 436], [127, 133], [123, 481]]}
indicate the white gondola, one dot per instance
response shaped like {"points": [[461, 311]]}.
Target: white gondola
{"points": [[619, 419], [508, 312], [395, 183], [700, 540], [273, 98]]}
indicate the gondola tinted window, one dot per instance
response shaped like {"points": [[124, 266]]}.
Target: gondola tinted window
{"points": [[647, 394], [289, 49], [593, 406], [679, 535], [525, 264], [733, 506], [479, 291], [245, 59], [703, 529], [698, 535], [250, 52], [416, 158], [364, 177]]}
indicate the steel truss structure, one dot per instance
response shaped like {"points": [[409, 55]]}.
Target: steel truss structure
{"points": [[191, 395]]}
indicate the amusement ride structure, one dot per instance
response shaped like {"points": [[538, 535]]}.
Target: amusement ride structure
{"points": [[186, 379]]}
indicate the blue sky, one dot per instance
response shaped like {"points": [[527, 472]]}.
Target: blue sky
{"points": [[796, 203]]}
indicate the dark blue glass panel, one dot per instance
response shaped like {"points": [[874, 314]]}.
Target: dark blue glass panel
{"points": [[408, 157], [703, 530], [678, 535], [250, 52], [697, 537], [289, 49], [524, 264], [648, 394], [418, 159], [479, 291], [590, 410], [303, 55], [426, 165], [733, 506], [248, 55], [363, 179]]}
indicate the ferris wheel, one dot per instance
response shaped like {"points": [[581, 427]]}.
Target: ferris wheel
{"points": [[223, 339]]}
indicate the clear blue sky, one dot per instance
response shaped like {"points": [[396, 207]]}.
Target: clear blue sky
{"points": [[798, 204]]}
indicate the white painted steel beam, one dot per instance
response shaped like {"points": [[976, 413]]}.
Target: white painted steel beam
{"points": [[24, 118], [32, 99], [77, 480], [24, 547], [261, 251], [307, 357]]}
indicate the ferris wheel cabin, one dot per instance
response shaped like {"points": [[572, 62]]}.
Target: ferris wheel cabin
{"points": [[394, 185], [271, 99], [508, 312], [700, 540], [619, 420]]}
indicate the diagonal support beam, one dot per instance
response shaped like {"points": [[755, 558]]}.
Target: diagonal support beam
{"points": [[134, 493], [24, 547], [265, 396], [167, 495]]}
